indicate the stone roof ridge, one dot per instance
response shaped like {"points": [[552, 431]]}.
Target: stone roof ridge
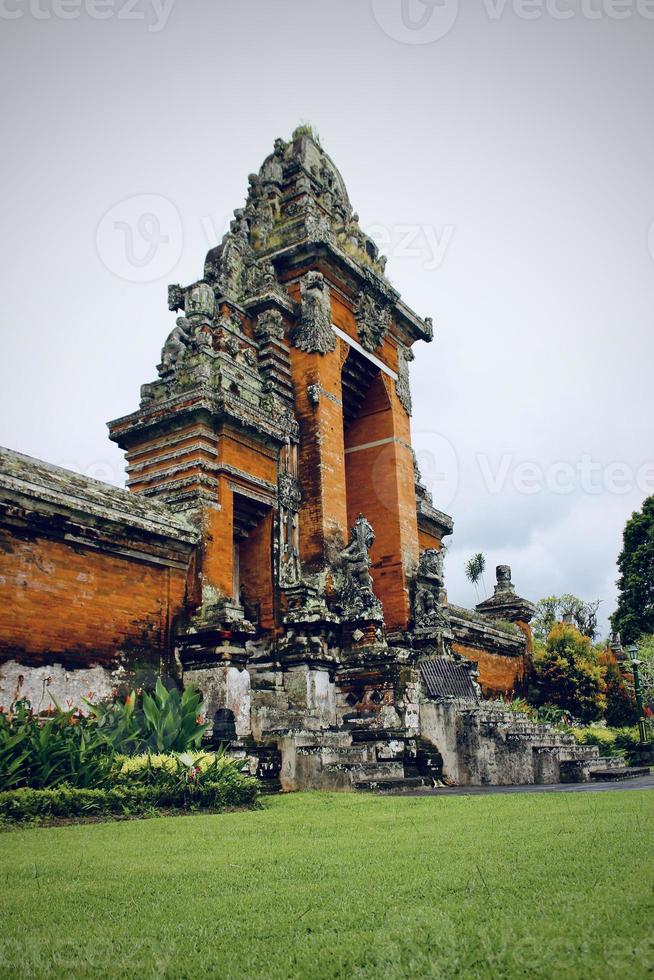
{"points": [[39, 479]]}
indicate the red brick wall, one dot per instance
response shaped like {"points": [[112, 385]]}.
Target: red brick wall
{"points": [[82, 604], [497, 675]]}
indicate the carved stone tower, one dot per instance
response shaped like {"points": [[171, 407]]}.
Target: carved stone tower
{"points": [[279, 423]]}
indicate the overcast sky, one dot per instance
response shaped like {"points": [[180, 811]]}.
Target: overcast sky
{"points": [[501, 153]]}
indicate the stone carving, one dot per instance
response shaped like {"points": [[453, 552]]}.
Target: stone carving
{"points": [[175, 298], [260, 212], [314, 331], [269, 326], [402, 383], [373, 320], [429, 604], [176, 345], [200, 300], [235, 254], [358, 599], [314, 392], [290, 494]]}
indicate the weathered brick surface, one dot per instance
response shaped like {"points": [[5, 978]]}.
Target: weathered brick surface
{"points": [[80, 605], [498, 675]]}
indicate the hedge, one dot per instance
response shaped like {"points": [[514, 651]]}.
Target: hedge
{"points": [[68, 801]]}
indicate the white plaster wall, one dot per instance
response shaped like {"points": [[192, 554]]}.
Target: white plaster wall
{"points": [[69, 688]]}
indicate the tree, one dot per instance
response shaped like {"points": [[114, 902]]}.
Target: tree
{"points": [[635, 613], [550, 610], [646, 657], [475, 568], [621, 707], [569, 675]]}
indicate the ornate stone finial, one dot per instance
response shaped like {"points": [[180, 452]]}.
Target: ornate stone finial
{"points": [[359, 601], [505, 603], [373, 320], [503, 577], [314, 331]]}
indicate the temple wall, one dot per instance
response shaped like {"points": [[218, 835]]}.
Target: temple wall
{"points": [[82, 605], [498, 675], [91, 580]]}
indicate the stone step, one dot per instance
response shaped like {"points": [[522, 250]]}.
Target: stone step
{"points": [[616, 774]]}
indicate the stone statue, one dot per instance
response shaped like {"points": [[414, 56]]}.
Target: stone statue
{"points": [[314, 331], [429, 604], [359, 601], [176, 344]]}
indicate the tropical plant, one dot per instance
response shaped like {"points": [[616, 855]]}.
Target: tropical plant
{"points": [[568, 674], [61, 747], [475, 568], [178, 769], [635, 613], [165, 721]]}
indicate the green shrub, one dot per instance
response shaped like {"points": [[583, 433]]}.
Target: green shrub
{"points": [[179, 769], [62, 747], [164, 722], [610, 741], [568, 674], [65, 801]]}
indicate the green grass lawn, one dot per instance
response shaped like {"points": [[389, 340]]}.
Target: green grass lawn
{"points": [[547, 885]]}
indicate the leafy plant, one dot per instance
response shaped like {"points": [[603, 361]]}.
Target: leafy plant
{"points": [[568, 674], [475, 568], [166, 721], [179, 769], [62, 747]]}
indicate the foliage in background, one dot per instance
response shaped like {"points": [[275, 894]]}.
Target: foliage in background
{"points": [[620, 700], [568, 674], [60, 748], [166, 721], [553, 608], [635, 613]]}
